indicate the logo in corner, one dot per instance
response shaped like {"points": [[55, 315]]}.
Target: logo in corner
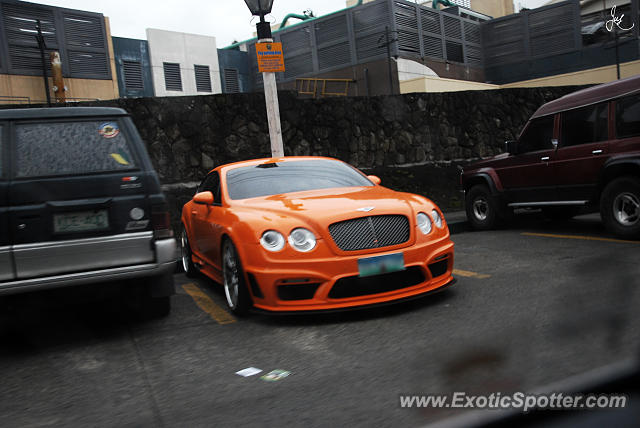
{"points": [[365, 209]]}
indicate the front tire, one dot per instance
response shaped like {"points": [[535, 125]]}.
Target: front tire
{"points": [[620, 207], [482, 211], [235, 289]]}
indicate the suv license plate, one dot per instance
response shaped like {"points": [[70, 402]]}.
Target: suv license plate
{"points": [[381, 264], [83, 221]]}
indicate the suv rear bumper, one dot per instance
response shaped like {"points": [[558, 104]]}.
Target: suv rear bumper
{"points": [[165, 262]]}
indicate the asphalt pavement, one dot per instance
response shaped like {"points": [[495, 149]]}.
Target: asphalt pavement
{"points": [[534, 304]]}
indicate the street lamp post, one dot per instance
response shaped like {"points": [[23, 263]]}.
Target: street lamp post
{"points": [[261, 8]]}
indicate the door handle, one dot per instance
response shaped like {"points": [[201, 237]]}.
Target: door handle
{"points": [[194, 212], [544, 159], [596, 152]]}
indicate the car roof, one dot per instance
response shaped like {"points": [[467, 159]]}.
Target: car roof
{"points": [[59, 112], [592, 95]]}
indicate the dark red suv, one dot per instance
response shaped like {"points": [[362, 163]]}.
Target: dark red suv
{"points": [[579, 152]]}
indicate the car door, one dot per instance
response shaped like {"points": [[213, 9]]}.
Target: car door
{"points": [[582, 151], [6, 258], [78, 197], [206, 221], [526, 176]]}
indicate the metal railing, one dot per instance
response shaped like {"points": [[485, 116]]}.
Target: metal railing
{"points": [[309, 86]]}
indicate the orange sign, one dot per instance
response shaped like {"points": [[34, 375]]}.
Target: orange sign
{"points": [[270, 57]]}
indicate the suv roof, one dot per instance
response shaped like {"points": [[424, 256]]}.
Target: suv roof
{"points": [[592, 95], [58, 112]]}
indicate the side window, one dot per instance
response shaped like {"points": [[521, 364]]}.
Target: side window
{"points": [[628, 117], [537, 135], [211, 184], [70, 148], [585, 125]]}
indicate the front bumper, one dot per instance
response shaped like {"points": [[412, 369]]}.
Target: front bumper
{"points": [[320, 275]]}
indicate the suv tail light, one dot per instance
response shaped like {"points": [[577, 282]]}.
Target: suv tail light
{"points": [[161, 222]]}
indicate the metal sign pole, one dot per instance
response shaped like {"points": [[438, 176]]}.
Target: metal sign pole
{"points": [[273, 110]]}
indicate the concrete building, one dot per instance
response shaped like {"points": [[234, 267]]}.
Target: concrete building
{"points": [[82, 39], [183, 64]]}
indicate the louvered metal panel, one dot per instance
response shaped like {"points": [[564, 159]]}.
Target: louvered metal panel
{"points": [[335, 55], [203, 78], [331, 29], [452, 27], [432, 46], [408, 41], [370, 46], [551, 31], [296, 40], [20, 24], [82, 31], [473, 55], [28, 58], [78, 36], [472, 33], [371, 17], [87, 63], [507, 52], [430, 20], [504, 29], [132, 72], [231, 82], [298, 65], [406, 15], [172, 76]]}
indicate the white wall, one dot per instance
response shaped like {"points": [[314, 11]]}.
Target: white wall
{"points": [[409, 69], [186, 50]]}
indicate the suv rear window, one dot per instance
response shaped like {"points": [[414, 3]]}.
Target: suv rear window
{"points": [[628, 117], [71, 148]]}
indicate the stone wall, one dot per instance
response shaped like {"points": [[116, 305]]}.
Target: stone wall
{"points": [[413, 141]]}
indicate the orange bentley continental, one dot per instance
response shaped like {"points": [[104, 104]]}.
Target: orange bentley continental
{"points": [[312, 233]]}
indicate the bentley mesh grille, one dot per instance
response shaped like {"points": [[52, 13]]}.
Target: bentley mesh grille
{"points": [[370, 232]]}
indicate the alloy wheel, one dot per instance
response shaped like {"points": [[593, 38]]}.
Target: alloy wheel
{"points": [[231, 275], [626, 209]]}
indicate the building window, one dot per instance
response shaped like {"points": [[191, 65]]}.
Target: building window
{"points": [[231, 84], [132, 73], [203, 78], [172, 78]]}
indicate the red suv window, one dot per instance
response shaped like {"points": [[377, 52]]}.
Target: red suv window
{"points": [[628, 117], [537, 136], [585, 125]]}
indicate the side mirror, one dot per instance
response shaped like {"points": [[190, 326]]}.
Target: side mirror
{"points": [[554, 143], [376, 180], [205, 198], [511, 146]]}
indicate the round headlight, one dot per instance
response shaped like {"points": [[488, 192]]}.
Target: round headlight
{"points": [[302, 240], [424, 223], [436, 218], [272, 240]]}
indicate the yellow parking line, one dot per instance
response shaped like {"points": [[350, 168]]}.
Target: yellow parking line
{"points": [[585, 238], [470, 274], [206, 304]]}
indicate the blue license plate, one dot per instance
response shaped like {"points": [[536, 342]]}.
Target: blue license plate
{"points": [[381, 264]]}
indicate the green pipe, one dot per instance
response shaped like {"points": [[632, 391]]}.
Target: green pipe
{"points": [[435, 3], [293, 15]]}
